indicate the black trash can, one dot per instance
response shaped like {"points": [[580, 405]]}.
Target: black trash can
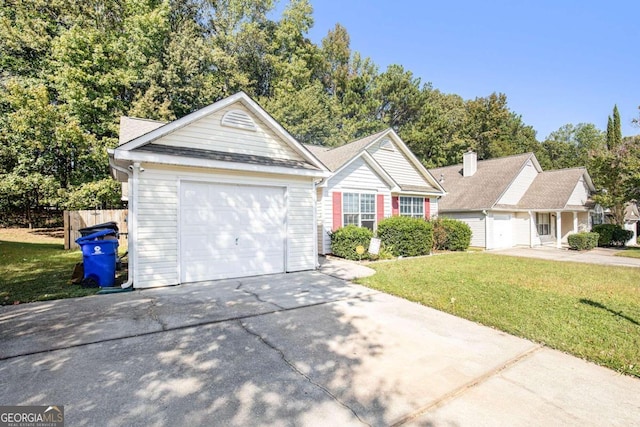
{"points": [[101, 227]]}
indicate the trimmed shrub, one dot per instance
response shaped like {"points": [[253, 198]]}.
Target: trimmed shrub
{"points": [[345, 240], [612, 235], [405, 236], [451, 234], [583, 241]]}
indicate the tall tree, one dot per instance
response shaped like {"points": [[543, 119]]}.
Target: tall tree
{"points": [[614, 132], [617, 170]]}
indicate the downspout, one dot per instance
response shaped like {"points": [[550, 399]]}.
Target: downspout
{"points": [[130, 223], [315, 223]]}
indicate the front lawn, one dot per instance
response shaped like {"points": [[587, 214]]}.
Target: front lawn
{"points": [[590, 311], [630, 253], [35, 267]]}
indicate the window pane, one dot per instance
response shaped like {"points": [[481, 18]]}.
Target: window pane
{"points": [[412, 206], [351, 219], [368, 224], [350, 203], [367, 203]]}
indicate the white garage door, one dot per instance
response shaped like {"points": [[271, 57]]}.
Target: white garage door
{"points": [[230, 231], [502, 233]]}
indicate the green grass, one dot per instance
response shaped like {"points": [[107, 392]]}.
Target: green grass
{"points": [[630, 253], [590, 311], [34, 271]]}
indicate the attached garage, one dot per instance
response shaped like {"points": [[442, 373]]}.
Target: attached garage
{"points": [[224, 192], [231, 230], [502, 232]]}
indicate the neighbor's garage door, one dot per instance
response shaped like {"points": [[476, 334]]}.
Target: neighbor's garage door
{"points": [[230, 231], [502, 234]]}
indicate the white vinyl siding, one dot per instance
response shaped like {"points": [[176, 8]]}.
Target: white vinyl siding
{"points": [[580, 194], [208, 134], [157, 230], [356, 177], [520, 185], [398, 166], [158, 210], [475, 221]]}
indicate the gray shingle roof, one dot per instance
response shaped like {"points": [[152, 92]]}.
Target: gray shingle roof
{"points": [[484, 188], [199, 153], [131, 128], [551, 190], [335, 158]]}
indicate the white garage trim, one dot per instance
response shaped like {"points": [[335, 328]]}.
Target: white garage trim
{"points": [[236, 252]]}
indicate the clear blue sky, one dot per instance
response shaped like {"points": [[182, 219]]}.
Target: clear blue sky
{"points": [[558, 62]]}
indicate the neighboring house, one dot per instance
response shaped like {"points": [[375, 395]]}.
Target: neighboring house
{"points": [[511, 201], [371, 179], [631, 219], [223, 192]]}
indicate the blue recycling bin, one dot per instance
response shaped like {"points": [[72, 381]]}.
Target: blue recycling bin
{"points": [[99, 257]]}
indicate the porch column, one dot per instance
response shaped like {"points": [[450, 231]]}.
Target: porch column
{"points": [[559, 230], [575, 222], [532, 228]]}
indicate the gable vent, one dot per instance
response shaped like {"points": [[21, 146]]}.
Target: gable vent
{"points": [[238, 119]]}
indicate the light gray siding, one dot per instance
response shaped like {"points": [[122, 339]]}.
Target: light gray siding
{"points": [[208, 134], [476, 221]]}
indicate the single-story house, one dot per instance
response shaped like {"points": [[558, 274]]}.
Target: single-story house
{"points": [[511, 201], [222, 192], [372, 178]]}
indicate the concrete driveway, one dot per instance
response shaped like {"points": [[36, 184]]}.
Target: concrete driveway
{"points": [[602, 256], [296, 349]]}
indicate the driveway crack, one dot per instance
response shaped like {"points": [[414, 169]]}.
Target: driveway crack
{"points": [[151, 311], [299, 372], [256, 296]]}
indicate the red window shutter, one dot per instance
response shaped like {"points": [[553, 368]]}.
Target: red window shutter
{"points": [[427, 208], [395, 206], [337, 210], [380, 207]]}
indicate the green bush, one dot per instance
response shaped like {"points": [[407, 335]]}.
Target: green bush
{"points": [[612, 235], [345, 240], [451, 234], [583, 241], [405, 236]]}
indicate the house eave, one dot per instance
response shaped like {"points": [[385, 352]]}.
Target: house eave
{"points": [[165, 159]]}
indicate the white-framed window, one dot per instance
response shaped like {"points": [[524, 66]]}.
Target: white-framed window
{"points": [[412, 206], [597, 215], [359, 209], [543, 220]]}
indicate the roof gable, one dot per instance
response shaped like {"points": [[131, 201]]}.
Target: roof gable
{"points": [[386, 152], [236, 126], [495, 181], [553, 190], [483, 189]]}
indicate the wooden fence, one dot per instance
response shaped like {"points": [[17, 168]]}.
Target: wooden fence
{"points": [[75, 220]]}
